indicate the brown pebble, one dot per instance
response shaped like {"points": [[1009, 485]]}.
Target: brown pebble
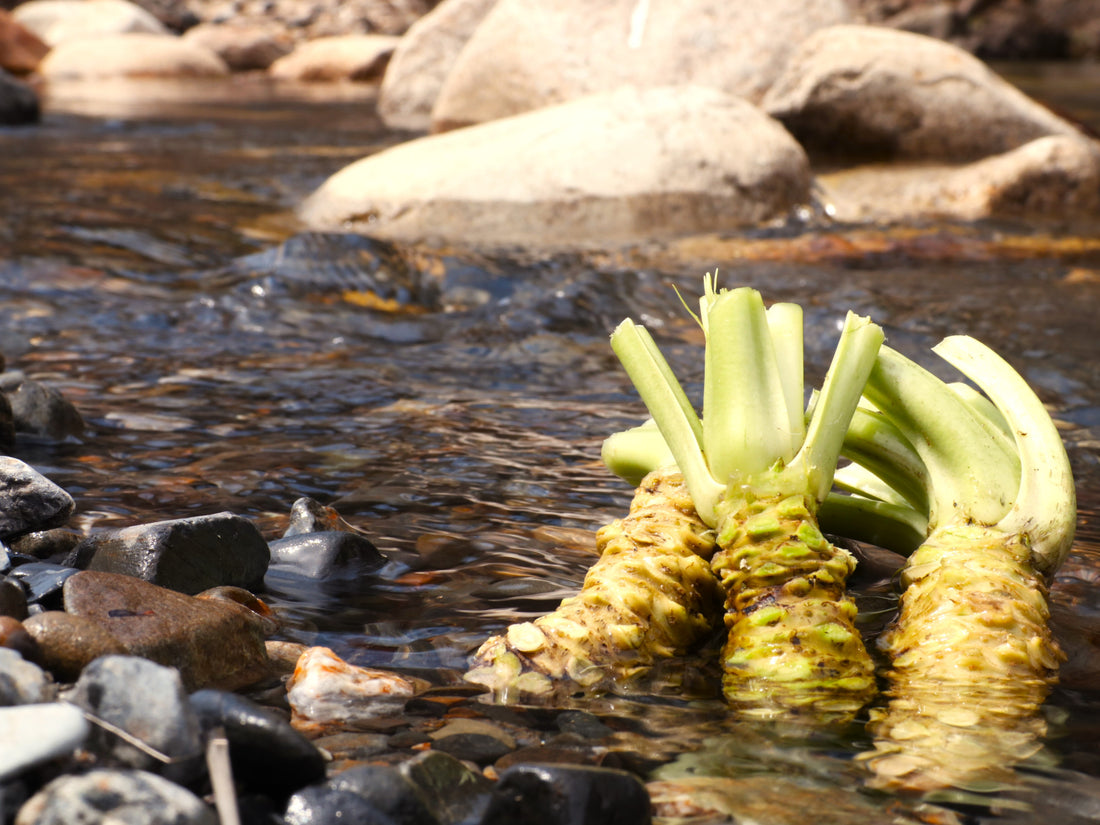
{"points": [[14, 635], [67, 643]]}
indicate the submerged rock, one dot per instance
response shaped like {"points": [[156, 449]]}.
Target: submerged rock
{"points": [[625, 165], [568, 795], [189, 554], [133, 797], [861, 91], [212, 643], [29, 501], [325, 688], [527, 54]]}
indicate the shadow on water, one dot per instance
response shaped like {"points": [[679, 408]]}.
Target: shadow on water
{"points": [[451, 404]]}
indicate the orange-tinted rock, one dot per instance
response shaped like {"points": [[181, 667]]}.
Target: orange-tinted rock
{"points": [[20, 49], [68, 643]]}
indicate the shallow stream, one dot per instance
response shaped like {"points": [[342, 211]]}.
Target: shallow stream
{"points": [[451, 404]]}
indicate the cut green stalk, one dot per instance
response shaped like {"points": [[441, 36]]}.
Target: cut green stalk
{"points": [[972, 655], [650, 596], [758, 474]]}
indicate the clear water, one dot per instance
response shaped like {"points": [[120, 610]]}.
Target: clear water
{"points": [[453, 407]]}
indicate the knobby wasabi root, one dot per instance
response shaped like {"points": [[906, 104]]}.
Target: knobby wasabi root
{"points": [[650, 596], [792, 645], [973, 658]]}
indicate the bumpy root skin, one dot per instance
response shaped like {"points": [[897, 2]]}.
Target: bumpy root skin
{"points": [[651, 595], [973, 659], [792, 647]]}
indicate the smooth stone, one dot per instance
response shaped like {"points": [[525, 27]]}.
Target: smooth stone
{"points": [[869, 92], [268, 755], [148, 702], [582, 723], [360, 57], [319, 805], [116, 796], [23, 682], [245, 598], [451, 790], [56, 21], [325, 555], [131, 55], [48, 545], [14, 636], [479, 748], [212, 643], [32, 734], [43, 411], [528, 54], [67, 643], [354, 745], [188, 554], [29, 501], [325, 688], [389, 791], [567, 795], [21, 50], [615, 167], [310, 516], [423, 59], [479, 726], [244, 46], [13, 599], [43, 581]]}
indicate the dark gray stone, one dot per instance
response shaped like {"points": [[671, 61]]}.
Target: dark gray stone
{"points": [[568, 795], [388, 790], [324, 555], [452, 792], [189, 554], [18, 102], [212, 643], [582, 724], [268, 755], [320, 805], [43, 582], [29, 501], [146, 701], [479, 748], [123, 796], [48, 545], [43, 411]]}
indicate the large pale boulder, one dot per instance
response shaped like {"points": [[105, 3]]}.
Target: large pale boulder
{"points": [[57, 21], [532, 53], [1049, 179], [131, 55], [424, 58], [862, 92], [619, 166], [348, 57]]}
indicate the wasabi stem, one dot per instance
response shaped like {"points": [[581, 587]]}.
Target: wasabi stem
{"points": [[972, 655], [757, 473]]}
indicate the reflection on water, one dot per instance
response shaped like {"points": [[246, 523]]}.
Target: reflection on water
{"points": [[449, 404]]}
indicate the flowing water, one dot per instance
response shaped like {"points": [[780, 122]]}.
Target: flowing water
{"points": [[451, 404]]}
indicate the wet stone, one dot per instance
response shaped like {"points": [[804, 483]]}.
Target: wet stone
{"points": [[146, 701], [451, 791], [54, 545], [68, 643], [28, 500], [268, 755], [353, 745], [13, 599], [583, 724], [325, 688], [133, 797], [22, 682], [43, 411], [310, 516], [320, 805], [212, 643], [567, 795], [189, 555], [325, 555], [238, 595], [36, 733], [388, 790], [43, 582], [479, 748], [14, 636]]}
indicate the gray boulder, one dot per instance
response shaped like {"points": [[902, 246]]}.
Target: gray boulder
{"points": [[28, 500], [532, 53], [861, 92], [615, 167]]}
